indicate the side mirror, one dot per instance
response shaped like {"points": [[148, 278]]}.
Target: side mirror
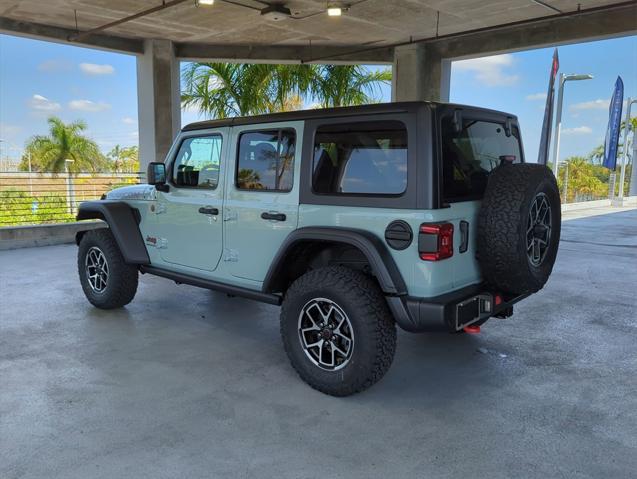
{"points": [[156, 175]]}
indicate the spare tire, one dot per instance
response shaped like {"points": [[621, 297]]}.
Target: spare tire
{"points": [[519, 228]]}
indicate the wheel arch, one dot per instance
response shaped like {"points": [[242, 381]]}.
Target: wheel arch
{"points": [[301, 245], [123, 221]]}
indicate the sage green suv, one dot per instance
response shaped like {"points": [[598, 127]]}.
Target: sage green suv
{"points": [[352, 219]]}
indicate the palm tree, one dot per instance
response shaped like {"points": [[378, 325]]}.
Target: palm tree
{"points": [[116, 157], [64, 142], [346, 85], [223, 90]]}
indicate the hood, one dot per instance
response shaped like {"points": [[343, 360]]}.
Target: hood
{"points": [[133, 192]]}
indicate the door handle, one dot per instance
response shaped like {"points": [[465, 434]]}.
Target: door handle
{"points": [[273, 216], [208, 210]]}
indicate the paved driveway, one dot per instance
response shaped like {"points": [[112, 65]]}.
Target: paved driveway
{"points": [[189, 383]]}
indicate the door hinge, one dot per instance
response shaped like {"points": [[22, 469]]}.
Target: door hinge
{"points": [[231, 255], [158, 208]]}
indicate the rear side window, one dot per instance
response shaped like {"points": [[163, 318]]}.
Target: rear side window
{"points": [[366, 158], [266, 160], [197, 162], [468, 156]]}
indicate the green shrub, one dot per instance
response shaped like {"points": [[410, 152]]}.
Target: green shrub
{"points": [[20, 208]]}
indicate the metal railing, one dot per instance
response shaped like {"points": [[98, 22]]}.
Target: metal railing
{"points": [[40, 198]]}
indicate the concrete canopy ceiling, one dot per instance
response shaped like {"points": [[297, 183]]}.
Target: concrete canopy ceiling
{"points": [[368, 32], [367, 22]]}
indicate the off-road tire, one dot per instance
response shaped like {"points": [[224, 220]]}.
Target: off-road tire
{"points": [[359, 296], [122, 281], [502, 227]]}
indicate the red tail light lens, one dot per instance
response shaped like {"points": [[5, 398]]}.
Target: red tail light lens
{"points": [[435, 241]]}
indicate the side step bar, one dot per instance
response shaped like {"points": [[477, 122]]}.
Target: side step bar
{"points": [[213, 285]]}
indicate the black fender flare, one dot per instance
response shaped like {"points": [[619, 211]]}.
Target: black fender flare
{"points": [[382, 263], [123, 222]]}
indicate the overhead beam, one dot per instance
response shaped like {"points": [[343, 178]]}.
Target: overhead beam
{"points": [[63, 35], [596, 24], [281, 53]]}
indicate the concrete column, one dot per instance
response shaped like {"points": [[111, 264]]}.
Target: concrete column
{"points": [[420, 73], [158, 100]]}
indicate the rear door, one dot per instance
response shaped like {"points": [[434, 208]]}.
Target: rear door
{"points": [[262, 195], [472, 144]]}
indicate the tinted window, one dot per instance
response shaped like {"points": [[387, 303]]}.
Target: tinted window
{"points": [[361, 158], [266, 160], [197, 162], [469, 155]]}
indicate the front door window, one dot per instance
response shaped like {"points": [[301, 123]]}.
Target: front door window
{"points": [[197, 163]]}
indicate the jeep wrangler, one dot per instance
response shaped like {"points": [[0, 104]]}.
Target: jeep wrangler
{"points": [[352, 219]]}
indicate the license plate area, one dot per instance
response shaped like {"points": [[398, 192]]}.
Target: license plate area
{"points": [[472, 310]]}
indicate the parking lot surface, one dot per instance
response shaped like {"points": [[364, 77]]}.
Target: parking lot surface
{"points": [[189, 383]]}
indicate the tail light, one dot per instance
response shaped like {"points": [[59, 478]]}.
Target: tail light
{"points": [[435, 241]]}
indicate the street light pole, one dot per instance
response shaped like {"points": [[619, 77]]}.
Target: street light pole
{"points": [[627, 126], [633, 174], [558, 116]]}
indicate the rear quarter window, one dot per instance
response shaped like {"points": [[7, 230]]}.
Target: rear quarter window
{"points": [[365, 158], [469, 155]]}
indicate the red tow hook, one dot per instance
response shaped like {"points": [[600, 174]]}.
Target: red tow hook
{"points": [[472, 329]]}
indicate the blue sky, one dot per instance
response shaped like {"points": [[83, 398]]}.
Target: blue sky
{"points": [[38, 79]]}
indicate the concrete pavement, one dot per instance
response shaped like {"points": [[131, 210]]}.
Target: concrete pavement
{"points": [[189, 383]]}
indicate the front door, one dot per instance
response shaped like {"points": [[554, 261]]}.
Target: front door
{"points": [[189, 226], [262, 196]]}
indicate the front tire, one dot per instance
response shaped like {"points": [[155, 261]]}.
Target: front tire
{"points": [[108, 282], [337, 330]]}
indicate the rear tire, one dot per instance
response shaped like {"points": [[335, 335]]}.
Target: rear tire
{"points": [[355, 347], [108, 282], [521, 207]]}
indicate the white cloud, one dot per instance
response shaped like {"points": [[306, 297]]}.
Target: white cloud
{"points": [[490, 71], [128, 120], [95, 69], [41, 103], [578, 130], [536, 96], [134, 134], [591, 105], [88, 105]]}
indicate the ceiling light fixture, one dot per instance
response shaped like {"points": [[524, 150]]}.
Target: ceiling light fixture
{"points": [[206, 3], [336, 9]]}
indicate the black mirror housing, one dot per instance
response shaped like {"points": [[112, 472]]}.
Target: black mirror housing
{"points": [[156, 173]]}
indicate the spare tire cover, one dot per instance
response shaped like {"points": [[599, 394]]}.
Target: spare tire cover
{"points": [[519, 228]]}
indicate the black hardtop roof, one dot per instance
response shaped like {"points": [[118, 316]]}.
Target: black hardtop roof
{"points": [[318, 113]]}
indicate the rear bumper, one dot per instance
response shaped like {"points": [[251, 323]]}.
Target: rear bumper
{"points": [[452, 311]]}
